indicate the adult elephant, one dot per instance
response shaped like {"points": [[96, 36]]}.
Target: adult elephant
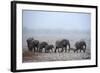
{"points": [[36, 45], [48, 48], [42, 45], [63, 44], [32, 44], [81, 45]]}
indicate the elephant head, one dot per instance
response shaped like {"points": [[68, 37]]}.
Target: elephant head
{"points": [[80, 46], [30, 43]]}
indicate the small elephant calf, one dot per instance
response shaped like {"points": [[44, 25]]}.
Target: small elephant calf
{"points": [[42, 45], [48, 48]]}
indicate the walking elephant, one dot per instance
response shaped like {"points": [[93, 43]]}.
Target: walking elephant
{"points": [[63, 44], [42, 45], [81, 45], [36, 45], [32, 44], [48, 48]]}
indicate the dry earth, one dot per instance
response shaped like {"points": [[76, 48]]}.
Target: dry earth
{"points": [[51, 39]]}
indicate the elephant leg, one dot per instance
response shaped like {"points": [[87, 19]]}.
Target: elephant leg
{"points": [[66, 49], [77, 50], [40, 50], [62, 50], [51, 50], [74, 50], [56, 49], [46, 51], [37, 49], [34, 49], [84, 50], [80, 50], [69, 48]]}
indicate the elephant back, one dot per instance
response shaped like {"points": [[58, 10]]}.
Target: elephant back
{"points": [[43, 44], [82, 43], [36, 42], [64, 42]]}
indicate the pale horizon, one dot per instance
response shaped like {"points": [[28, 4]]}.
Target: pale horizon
{"points": [[38, 20]]}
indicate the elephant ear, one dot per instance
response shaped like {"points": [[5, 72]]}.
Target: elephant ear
{"points": [[30, 40]]}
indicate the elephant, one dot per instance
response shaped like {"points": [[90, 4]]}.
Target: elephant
{"points": [[62, 44], [36, 45], [32, 44], [42, 45], [48, 48], [81, 45]]}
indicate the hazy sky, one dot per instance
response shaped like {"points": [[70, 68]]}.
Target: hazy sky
{"points": [[56, 20]]}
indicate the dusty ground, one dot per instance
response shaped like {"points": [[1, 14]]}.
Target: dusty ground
{"points": [[42, 57], [51, 39]]}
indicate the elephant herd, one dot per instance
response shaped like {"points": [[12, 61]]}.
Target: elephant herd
{"points": [[63, 45]]}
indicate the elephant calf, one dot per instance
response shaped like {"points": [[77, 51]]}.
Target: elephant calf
{"points": [[48, 48], [42, 45], [81, 45]]}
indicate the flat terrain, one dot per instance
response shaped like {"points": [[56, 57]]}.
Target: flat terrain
{"points": [[42, 57], [73, 37]]}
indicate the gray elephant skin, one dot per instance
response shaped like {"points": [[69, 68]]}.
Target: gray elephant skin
{"points": [[32, 44], [48, 48], [81, 45], [63, 45], [42, 46]]}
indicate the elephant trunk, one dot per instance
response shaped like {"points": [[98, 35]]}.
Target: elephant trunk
{"points": [[69, 46]]}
